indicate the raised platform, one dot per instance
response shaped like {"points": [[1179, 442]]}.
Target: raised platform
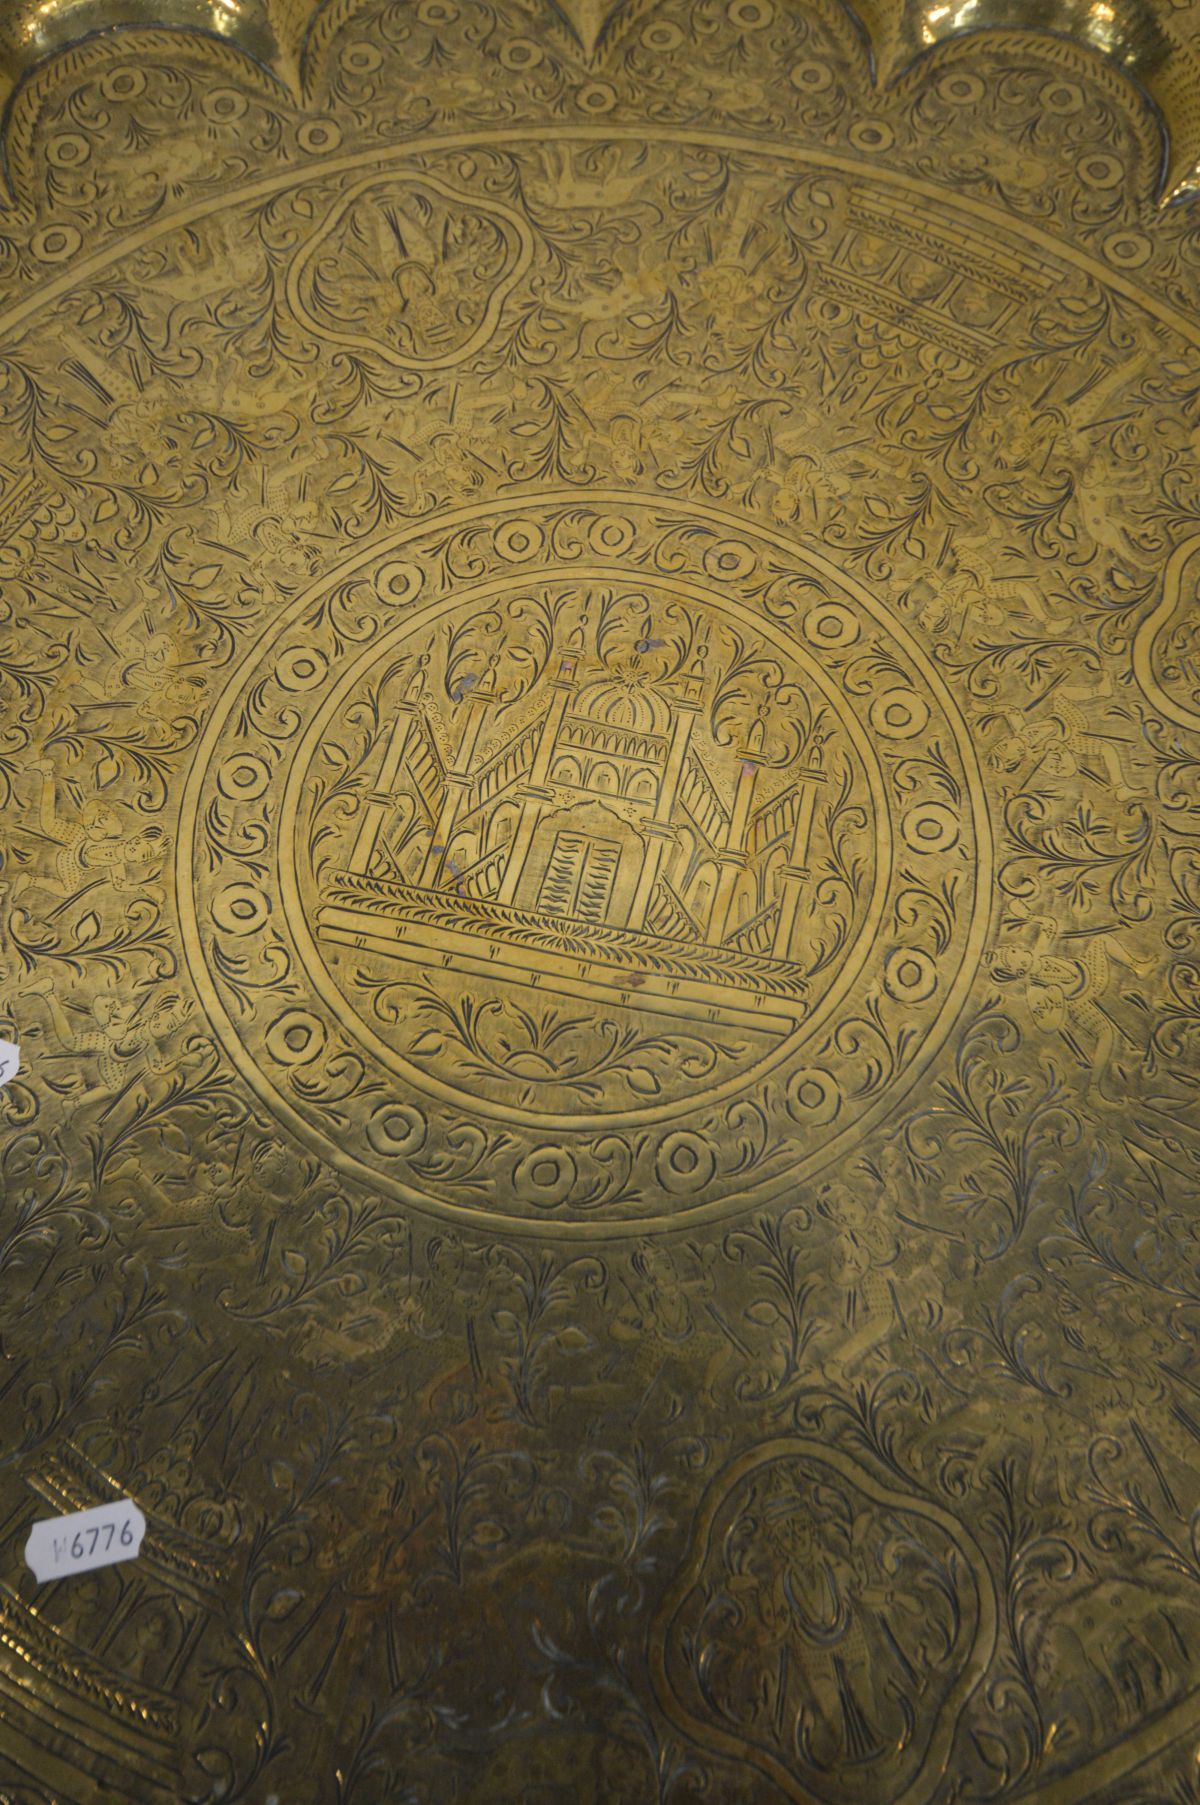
{"points": [[563, 954]]}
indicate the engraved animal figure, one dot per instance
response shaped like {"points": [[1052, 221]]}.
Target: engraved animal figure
{"points": [[1024, 1427], [1102, 495], [591, 179], [1127, 1361], [280, 541], [1117, 1642], [608, 290], [402, 1311]]}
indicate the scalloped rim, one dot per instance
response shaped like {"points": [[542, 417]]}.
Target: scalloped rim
{"points": [[881, 38]]}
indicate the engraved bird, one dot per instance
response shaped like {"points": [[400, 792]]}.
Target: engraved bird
{"points": [[592, 181]]}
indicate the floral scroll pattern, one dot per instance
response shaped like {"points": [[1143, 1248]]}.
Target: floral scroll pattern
{"points": [[599, 785], [366, 949]]}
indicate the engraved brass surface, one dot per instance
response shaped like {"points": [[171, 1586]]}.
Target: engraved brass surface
{"points": [[600, 762]]}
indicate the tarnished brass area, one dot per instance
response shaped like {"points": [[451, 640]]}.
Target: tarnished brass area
{"points": [[600, 780]]}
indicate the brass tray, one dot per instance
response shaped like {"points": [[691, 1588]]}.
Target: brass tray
{"points": [[600, 899]]}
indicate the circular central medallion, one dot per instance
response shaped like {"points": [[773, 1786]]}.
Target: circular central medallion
{"points": [[574, 881], [583, 862]]}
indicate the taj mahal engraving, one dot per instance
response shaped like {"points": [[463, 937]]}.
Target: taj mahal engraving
{"points": [[597, 807]]}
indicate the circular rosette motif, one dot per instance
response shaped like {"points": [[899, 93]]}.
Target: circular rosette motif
{"points": [[580, 845], [824, 1628], [408, 270]]}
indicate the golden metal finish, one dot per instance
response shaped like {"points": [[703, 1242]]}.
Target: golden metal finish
{"points": [[1154, 43], [600, 760]]}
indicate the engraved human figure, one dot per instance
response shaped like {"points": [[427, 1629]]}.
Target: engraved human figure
{"points": [[285, 547], [261, 1182], [427, 1299], [158, 682], [1023, 435], [1067, 995], [862, 1264], [811, 474], [154, 439], [456, 458], [128, 1041], [11, 864], [629, 447], [1180, 655], [658, 1323], [255, 1192], [816, 1583], [809, 489], [17, 983], [280, 540], [1066, 741], [429, 269], [967, 595], [133, 863], [94, 847]]}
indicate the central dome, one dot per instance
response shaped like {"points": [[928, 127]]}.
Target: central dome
{"points": [[629, 698]]}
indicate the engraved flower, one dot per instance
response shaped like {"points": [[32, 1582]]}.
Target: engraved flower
{"points": [[223, 106]]}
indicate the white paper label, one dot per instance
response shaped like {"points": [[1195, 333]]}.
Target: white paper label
{"points": [[10, 1059], [85, 1539]]}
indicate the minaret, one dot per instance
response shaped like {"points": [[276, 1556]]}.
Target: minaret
{"points": [[537, 792], [794, 875], [379, 800], [732, 857], [458, 777], [658, 831]]}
